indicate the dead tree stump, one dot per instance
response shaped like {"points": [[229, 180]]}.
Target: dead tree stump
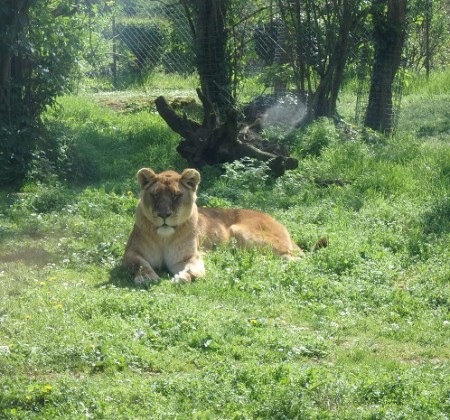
{"points": [[216, 142]]}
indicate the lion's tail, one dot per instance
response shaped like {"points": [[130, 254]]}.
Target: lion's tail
{"points": [[321, 243]]}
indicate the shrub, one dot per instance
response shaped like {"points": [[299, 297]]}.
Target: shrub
{"points": [[146, 40], [315, 137], [43, 56]]}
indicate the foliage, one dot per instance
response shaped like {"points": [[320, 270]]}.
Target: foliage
{"points": [[428, 35], [319, 38], [43, 56], [154, 45]]}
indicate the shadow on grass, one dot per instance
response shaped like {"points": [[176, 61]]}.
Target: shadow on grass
{"points": [[30, 256], [434, 129], [434, 226], [437, 218], [119, 276]]}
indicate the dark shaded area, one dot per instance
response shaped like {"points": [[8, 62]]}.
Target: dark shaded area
{"points": [[436, 219]]}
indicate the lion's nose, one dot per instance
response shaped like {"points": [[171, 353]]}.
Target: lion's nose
{"points": [[164, 214]]}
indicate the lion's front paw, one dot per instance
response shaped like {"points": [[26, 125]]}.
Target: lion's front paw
{"points": [[142, 279], [182, 277]]}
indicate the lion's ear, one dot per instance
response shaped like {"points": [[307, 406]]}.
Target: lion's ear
{"points": [[146, 176], [190, 178]]}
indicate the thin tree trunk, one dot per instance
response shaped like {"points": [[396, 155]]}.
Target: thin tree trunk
{"points": [[11, 16], [325, 98], [389, 34], [211, 55]]}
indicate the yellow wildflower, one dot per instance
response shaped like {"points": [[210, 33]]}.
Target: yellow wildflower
{"points": [[47, 388]]}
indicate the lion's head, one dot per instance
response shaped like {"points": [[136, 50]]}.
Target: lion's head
{"points": [[168, 198]]}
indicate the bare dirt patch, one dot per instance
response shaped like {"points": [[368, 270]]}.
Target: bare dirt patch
{"points": [[29, 256]]}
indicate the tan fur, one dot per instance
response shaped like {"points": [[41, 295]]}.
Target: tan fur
{"points": [[169, 228]]}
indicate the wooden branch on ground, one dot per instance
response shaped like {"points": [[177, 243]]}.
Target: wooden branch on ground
{"points": [[181, 126]]}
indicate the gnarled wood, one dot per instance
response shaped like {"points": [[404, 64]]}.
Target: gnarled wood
{"points": [[213, 142]]}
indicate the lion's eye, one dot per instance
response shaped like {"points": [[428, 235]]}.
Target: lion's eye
{"points": [[154, 195], [176, 196]]}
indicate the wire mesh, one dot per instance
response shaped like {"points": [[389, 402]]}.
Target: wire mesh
{"points": [[150, 35]]}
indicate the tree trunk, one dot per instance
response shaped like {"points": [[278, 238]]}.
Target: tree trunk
{"points": [[389, 36], [15, 111], [11, 17], [210, 39], [325, 97], [219, 138]]}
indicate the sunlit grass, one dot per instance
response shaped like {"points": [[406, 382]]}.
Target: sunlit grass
{"points": [[356, 330], [437, 83]]}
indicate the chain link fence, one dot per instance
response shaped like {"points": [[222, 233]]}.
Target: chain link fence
{"points": [[151, 35], [148, 36]]}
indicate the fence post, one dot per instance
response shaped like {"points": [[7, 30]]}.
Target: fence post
{"points": [[114, 46], [428, 16]]}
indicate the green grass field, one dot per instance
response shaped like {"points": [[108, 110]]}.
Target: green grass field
{"points": [[358, 330]]}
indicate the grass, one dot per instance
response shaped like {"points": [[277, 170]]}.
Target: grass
{"points": [[356, 330]]}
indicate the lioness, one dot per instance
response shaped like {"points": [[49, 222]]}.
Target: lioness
{"points": [[169, 228]]}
